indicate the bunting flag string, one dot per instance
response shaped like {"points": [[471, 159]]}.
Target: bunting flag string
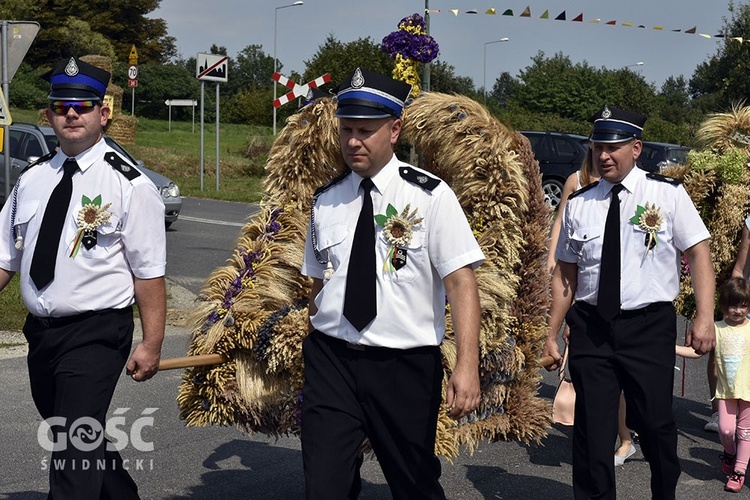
{"points": [[562, 16]]}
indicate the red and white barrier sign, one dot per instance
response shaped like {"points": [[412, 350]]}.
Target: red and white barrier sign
{"points": [[297, 90]]}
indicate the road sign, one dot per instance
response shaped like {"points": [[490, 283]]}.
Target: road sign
{"points": [[133, 57], [133, 72], [5, 118], [132, 83], [297, 90], [211, 67], [181, 102], [19, 38]]}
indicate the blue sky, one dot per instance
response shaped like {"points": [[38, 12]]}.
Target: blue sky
{"points": [[235, 24]]}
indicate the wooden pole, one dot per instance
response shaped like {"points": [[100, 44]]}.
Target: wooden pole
{"points": [[191, 361], [546, 361]]}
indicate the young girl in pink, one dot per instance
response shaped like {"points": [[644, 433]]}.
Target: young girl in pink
{"points": [[733, 388]]}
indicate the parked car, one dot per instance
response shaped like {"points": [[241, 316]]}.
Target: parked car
{"points": [[559, 155], [657, 156], [28, 142]]}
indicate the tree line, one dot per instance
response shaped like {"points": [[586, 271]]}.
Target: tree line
{"points": [[552, 93]]}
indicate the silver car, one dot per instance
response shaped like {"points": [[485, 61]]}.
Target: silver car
{"points": [[28, 142]]}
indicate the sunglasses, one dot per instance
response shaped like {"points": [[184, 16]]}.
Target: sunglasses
{"points": [[80, 107]]}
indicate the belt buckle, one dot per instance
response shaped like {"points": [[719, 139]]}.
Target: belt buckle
{"points": [[355, 347]]}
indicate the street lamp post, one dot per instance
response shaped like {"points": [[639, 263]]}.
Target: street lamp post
{"points": [[639, 63], [484, 82], [275, 63]]}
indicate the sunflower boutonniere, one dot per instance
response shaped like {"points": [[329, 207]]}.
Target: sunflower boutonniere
{"points": [[91, 217], [649, 219], [398, 232]]}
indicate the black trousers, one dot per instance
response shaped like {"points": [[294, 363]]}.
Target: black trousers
{"points": [[633, 353], [73, 369], [390, 396]]}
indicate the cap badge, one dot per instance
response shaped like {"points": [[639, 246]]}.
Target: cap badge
{"points": [[309, 95], [71, 69], [606, 113], [357, 79]]}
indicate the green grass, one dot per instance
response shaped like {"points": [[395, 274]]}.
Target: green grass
{"points": [[174, 150], [243, 151], [14, 312]]}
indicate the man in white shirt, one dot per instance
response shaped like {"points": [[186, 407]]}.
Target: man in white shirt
{"points": [[619, 257], [85, 232], [387, 243]]}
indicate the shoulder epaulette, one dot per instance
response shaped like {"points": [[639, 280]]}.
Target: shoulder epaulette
{"points": [[122, 166], [583, 189], [419, 178], [664, 178], [39, 160], [328, 185]]}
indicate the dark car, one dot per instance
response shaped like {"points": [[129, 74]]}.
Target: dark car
{"points": [[656, 156], [28, 142], [559, 155]]}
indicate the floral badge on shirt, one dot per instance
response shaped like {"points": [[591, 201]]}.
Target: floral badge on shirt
{"points": [[649, 219], [91, 216], [398, 232]]}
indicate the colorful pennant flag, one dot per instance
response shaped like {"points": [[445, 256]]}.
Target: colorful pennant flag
{"points": [[492, 11]]}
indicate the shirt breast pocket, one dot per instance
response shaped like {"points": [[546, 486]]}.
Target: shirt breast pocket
{"points": [[642, 241], [24, 215], [329, 243], [405, 263], [586, 242], [107, 238]]}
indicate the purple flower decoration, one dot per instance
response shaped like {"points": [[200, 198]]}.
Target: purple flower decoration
{"points": [[411, 41], [250, 258]]}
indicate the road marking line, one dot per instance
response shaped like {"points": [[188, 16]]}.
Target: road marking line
{"points": [[211, 221]]}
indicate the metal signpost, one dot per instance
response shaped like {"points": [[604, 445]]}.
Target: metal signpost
{"points": [[15, 40], [212, 68], [180, 102], [132, 77]]}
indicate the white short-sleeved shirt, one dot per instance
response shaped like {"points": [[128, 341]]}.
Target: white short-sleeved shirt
{"points": [[132, 243], [411, 301], [645, 278]]}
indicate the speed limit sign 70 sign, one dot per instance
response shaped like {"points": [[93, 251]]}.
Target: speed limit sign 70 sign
{"points": [[133, 72]]}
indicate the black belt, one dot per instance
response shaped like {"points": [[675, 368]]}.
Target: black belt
{"points": [[368, 348], [50, 322], [629, 313]]}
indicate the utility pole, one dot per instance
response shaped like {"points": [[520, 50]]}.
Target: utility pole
{"points": [[426, 76]]}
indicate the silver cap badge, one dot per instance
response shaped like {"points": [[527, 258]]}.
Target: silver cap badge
{"points": [[71, 69]]}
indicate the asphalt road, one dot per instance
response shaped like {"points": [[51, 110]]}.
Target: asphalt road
{"points": [[203, 238], [222, 463]]}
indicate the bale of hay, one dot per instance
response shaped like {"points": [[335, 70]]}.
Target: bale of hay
{"points": [[254, 309]]}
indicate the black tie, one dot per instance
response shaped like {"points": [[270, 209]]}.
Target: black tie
{"points": [[608, 301], [360, 302], [45, 251]]}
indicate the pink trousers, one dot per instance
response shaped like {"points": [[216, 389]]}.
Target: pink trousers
{"points": [[734, 430]]}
